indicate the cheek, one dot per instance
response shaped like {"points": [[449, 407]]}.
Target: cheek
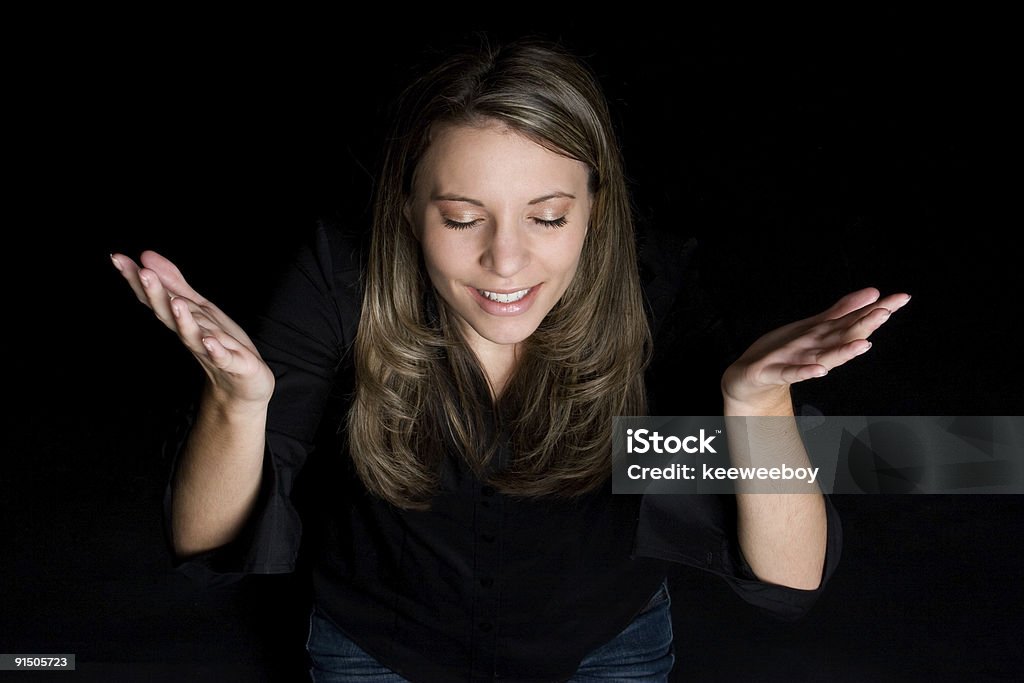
{"points": [[445, 252], [567, 255]]}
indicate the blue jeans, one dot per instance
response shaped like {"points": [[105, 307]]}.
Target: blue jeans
{"points": [[643, 652]]}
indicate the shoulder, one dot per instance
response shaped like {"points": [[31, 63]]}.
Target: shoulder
{"points": [[677, 298], [318, 287], [666, 262], [693, 343], [342, 252], [346, 246], [333, 253]]}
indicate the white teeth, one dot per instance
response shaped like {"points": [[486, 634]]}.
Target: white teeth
{"points": [[504, 298]]}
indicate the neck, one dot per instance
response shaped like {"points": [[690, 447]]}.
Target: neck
{"points": [[497, 362]]}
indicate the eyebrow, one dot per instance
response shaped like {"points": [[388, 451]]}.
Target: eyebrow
{"points": [[477, 202]]}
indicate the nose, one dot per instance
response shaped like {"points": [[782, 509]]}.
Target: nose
{"points": [[507, 249]]}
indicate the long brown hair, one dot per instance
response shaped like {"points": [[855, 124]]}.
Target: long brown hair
{"points": [[419, 388]]}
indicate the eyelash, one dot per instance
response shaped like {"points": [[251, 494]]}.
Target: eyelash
{"points": [[556, 223]]}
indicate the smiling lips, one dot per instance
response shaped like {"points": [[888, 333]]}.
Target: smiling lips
{"points": [[505, 298], [505, 303]]}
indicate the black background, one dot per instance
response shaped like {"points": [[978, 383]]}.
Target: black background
{"points": [[810, 156]]}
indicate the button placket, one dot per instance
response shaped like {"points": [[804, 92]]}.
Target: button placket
{"points": [[487, 521]]}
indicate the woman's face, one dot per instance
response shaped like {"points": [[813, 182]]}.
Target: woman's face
{"points": [[501, 221]]}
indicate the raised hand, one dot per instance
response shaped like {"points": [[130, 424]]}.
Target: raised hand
{"points": [[235, 371], [759, 380]]}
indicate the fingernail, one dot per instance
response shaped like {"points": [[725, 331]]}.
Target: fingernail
{"points": [[174, 309], [207, 344], [885, 316], [116, 264]]}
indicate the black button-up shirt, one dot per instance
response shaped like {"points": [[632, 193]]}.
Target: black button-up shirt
{"points": [[481, 587]]}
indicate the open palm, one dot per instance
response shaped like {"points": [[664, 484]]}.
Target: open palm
{"points": [[809, 348]]}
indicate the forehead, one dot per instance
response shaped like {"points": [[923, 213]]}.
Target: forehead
{"points": [[493, 158]]}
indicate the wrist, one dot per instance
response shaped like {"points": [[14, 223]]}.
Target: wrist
{"points": [[769, 401], [229, 407]]}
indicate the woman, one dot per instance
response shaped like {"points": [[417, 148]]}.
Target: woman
{"points": [[466, 529]]}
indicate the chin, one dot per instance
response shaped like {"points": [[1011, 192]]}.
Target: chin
{"points": [[506, 335]]}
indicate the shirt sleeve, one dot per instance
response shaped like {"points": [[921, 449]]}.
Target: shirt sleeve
{"points": [[303, 333], [700, 530]]}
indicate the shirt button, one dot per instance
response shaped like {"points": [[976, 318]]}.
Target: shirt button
{"points": [[489, 538], [486, 626], [487, 582], [487, 490]]}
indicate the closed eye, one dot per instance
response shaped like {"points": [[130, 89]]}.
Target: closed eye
{"points": [[455, 225], [556, 223]]}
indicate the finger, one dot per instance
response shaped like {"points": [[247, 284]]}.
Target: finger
{"points": [[173, 284], [895, 302], [226, 354], [223, 321], [891, 303], [198, 314], [851, 302], [791, 374], [130, 272], [219, 356], [187, 321], [170, 276], [862, 323], [859, 328], [835, 356], [157, 296], [193, 326]]}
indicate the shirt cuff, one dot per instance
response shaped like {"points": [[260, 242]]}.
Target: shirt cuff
{"points": [[257, 548], [699, 530]]}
